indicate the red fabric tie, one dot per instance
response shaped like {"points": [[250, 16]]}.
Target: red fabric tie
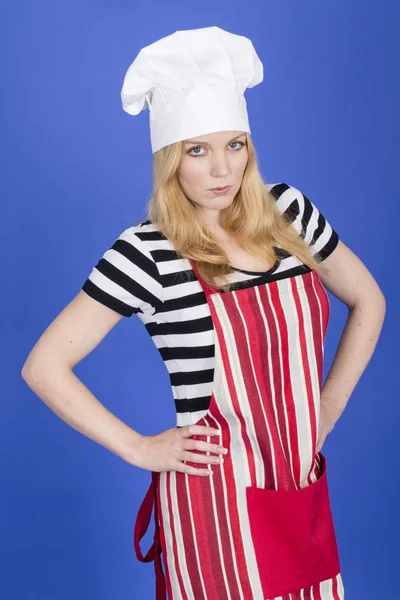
{"points": [[141, 526]]}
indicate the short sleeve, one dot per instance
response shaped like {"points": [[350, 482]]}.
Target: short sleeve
{"points": [[126, 278], [311, 224]]}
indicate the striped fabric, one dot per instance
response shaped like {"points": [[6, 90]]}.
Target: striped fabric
{"points": [[217, 543], [141, 273]]}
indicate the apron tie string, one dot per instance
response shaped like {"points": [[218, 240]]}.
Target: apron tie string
{"points": [[141, 526]]}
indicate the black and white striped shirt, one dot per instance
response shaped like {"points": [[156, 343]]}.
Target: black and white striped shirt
{"points": [[141, 273]]}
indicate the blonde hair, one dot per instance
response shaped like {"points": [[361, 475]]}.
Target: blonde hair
{"points": [[252, 219]]}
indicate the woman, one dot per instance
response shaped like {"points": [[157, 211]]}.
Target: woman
{"points": [[231, 287]]}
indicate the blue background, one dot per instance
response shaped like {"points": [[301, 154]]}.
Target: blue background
{"points": [[76, 171]]}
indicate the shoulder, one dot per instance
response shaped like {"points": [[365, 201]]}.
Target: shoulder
{"points": [[126, 277], [306, 217], [135, 234], [133, 243], [289, 199]]}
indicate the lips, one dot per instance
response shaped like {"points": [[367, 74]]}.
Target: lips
{"points": [[220, 189]]}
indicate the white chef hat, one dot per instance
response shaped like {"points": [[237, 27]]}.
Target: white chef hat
{"points": [[193, 82]]}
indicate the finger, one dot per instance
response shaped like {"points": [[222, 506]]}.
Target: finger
{"points": [[201, 458], [194, 470], [190, 444], [189, 430]]}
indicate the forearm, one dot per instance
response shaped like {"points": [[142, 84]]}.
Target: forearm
{"points": [[356, 346], [65, 394]]}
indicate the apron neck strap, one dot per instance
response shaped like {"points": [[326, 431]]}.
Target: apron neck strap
{"points": [[206, 288]]}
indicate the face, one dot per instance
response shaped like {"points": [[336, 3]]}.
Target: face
{"points": [[213, 160]]}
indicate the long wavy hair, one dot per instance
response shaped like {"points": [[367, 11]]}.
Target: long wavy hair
{"points": [[252, 219]]}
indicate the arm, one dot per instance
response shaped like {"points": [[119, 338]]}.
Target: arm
{"points": [[48, 371], [351, 282]]}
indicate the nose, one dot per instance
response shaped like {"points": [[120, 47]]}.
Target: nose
{"points": [[220, 168]]}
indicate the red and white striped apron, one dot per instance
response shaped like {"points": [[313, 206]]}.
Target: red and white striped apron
{"points": [[261, 527]]}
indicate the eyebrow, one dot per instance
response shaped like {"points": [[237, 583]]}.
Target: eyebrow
{"points": [[206, 144]]}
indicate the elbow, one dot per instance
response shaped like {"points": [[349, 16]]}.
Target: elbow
{"points": [[374, 303], [26, 372], [380, 301], [31, 369], [41, 368]]}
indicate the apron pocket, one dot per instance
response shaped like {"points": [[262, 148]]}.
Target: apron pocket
{"points": [[293, 536]]}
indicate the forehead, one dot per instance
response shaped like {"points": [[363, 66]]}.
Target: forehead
{"points": [[219, 137]]}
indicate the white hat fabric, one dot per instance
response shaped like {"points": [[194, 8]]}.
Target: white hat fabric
{"points": [[193, 82]]}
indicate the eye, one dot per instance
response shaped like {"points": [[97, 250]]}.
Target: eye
{"points": [[194, 148], [241, 144]]}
